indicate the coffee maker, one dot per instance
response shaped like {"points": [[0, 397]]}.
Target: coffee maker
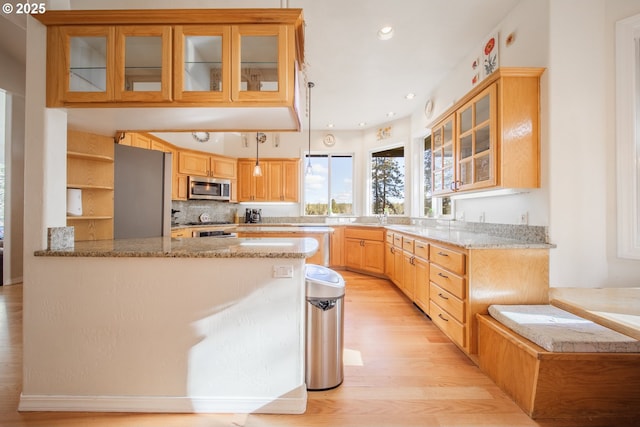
{"points": [[253, 216]]}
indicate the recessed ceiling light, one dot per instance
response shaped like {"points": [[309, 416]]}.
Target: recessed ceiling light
{"points": [[410, 96], [330, 125], [362, 124], [385, 33], [391, 114]]}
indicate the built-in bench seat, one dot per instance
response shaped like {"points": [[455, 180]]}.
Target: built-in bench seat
{"points": [[558, 365]]}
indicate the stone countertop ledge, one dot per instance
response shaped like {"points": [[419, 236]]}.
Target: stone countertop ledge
{"points": [[202, 247]]}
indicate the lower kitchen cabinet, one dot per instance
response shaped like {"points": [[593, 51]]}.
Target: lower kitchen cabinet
{"points": [[364, 249], [451, 284]]}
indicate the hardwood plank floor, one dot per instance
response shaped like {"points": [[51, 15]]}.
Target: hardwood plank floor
{"points": [[400, 370]]}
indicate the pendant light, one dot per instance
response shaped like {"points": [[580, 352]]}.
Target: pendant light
{"points": [[309, 168], [257, 170]]}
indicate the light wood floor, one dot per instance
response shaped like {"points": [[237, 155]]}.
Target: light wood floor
{"points": [[410, 375]]}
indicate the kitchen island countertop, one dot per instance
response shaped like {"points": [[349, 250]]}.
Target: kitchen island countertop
{"points": [[203, 247]]}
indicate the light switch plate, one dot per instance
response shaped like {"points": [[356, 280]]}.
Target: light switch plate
{"points": [[282, 271]]}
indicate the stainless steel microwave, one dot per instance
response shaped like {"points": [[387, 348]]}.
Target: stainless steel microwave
{"points": [[203, 188]]}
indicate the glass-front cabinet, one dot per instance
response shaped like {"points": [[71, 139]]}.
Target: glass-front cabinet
{"points": [[490, 138], [476, 151], [202, 62], [86, 69], [143, 63], [442, 149], [261, 62]]}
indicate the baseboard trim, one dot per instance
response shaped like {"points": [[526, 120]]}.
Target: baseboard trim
{"points": [[294, 403]]}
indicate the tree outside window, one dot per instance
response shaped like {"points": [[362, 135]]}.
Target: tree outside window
{"points": [[387, 181]]}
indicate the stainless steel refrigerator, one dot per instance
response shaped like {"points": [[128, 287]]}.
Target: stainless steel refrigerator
{"points": [[142, 193]]}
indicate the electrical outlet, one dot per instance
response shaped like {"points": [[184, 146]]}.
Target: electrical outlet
{"points": [[524, 218], [481, 217]]}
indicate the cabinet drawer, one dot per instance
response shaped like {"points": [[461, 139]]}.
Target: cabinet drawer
{"points": [[397, 240], [451, 260], [421, 249], [407, 244], [449, 303], [448, 281], [364, 233], [389, 237], [448, 325]]}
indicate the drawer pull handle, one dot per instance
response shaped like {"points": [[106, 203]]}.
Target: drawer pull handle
{"points": [[442, 296], [443, 318], [420, 246], [442, 254], [444, 276]]}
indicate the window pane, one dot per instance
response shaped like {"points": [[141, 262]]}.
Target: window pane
{"points": [[427, 190], [316, 187], [387, 182], [341, 185], [329, 189]]}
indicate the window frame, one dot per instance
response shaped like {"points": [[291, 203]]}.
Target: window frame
{"points": [[369, 197], [627, 137], [329, 179]]}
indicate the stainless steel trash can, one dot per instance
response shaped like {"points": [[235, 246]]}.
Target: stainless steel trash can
{"points": [[325, 327]]}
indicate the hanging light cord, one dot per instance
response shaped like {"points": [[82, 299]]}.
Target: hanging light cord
{"points": [[309, 168]]}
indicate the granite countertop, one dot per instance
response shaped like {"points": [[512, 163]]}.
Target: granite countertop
{"points": [[467, 239], [280, 228], [202, 247]]}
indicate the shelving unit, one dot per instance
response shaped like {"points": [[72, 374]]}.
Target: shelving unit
{"points": [[90, 168]]}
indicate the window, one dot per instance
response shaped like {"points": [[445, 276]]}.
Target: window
{"points": [[627, 137], [387, 181], [427, 205], [329, 189], [432, 206]]}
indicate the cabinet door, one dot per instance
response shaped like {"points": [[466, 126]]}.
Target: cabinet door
{"points": [[193, 164], [388, 261], [202, 63], [408, 274], [290, 180], [353, 253], [143, 63], [421, 294], [373, 256], [141, 141], [275, 178], [397, 267], [476, 147], [443, 156], [245, 180], [83, 58], [262, 58], [223, 167]]}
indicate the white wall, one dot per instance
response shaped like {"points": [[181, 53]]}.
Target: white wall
{"points": [[12, 80]]}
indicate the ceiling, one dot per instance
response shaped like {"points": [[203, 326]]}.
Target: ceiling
{"points": [[358, 78]]}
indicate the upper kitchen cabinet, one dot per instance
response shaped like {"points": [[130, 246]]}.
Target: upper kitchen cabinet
{"points": [[143, 63], [182, 59], [490, 138], [263, 63], [202, 58]]}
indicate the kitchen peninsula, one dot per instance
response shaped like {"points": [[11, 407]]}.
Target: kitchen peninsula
{"points": [[170, 325]]}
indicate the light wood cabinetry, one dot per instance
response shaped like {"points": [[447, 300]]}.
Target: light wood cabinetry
{"points": [[336, 247], [279, 181], [490, 138], [203, 164], [184, 58], [451, 284], [90, 169], [364, 249]]}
